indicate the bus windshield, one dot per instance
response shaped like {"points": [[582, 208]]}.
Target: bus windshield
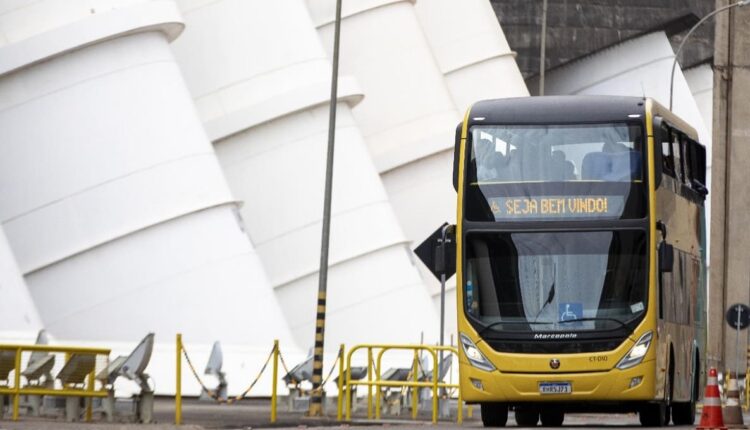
{"points": [[555, 171], [555, 281]]}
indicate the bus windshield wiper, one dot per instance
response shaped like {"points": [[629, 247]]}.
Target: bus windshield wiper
{"points": [[622, 324], [550, 295], [496, 323]]}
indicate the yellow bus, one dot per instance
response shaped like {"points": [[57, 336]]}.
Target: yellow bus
{"points": [[580, 259]]}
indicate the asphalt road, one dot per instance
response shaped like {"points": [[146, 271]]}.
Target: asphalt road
{"points": [[253, 414]]}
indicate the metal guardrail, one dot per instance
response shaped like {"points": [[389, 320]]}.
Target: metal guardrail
{"points": [[374, 379], [17, 390]]}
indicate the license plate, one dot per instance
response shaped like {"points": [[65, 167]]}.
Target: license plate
{"points": [[555, 388]]}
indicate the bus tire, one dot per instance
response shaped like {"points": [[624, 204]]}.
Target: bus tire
{"points": [[684, 413], [494, 414], [552, 418], [654, 415], [657, 414], [527, 417]]}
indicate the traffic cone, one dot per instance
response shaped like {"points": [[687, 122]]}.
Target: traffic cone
{"points": [[733, 410], [711, 418]]}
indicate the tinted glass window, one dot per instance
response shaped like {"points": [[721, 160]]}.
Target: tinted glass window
{"points": [[555, 172], [666, 153], [554, 153], [546, 281]]}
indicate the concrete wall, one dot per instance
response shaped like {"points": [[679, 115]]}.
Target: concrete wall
{"points": [[730, 200], [576, 28], [20, 320], [261, 81], [419, 72], [113, 199], [637, 67]]}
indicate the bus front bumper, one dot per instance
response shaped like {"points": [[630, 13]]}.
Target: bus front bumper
{"points": [[635, 384]]}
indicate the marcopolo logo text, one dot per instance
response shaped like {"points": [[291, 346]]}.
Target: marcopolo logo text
{"points": [[551, 336]]}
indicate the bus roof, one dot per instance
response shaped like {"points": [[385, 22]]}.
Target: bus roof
{"points": [[569, 109], [671, 118]]}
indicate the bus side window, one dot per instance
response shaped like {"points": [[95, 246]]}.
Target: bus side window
{"points": [[697, 161], [666, 152], [677, 156], [688, 159]]}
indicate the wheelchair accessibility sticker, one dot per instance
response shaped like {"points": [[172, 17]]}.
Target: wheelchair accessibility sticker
{"points": [[570, 311]]}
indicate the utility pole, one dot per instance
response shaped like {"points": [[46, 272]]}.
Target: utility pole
{"points": [[543, 48], [316, 397], [730, 213]]}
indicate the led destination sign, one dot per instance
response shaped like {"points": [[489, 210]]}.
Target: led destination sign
{"points": [[504, 208]]}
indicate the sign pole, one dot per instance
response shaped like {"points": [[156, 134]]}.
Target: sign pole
{"points": [[738, 317], [737, 345], [443, 265], [438, 253], [316, 397]]}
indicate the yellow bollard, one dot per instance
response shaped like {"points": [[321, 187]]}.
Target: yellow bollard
{"points": [[369, 383], [415, 390], [341, 382], [378, 391], [178, 383], [460, 412], [348, 398], [17, 385], [89, 401], [727, 377], [435, 394], [274, 384], [470, 411]]}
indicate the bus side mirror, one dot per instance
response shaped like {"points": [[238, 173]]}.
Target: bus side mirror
{"points": [[699, 187], [456, 156], [666, 257]]}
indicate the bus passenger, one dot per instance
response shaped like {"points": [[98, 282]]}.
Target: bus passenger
{"points": [[489, 162]]}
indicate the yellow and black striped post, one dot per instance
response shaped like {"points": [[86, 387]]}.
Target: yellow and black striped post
{"points": [[316, 397]]}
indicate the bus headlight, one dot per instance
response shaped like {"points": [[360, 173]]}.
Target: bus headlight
{"points": [[475, 356], [637, 352]]}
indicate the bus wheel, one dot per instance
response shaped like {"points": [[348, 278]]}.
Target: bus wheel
{"points": [[526, 417], [684, 413], [552, 418], [654, 415], [494, 414]]}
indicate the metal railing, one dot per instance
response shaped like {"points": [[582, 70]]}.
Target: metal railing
{"points": [[417, 379], [374, 379], [17, 390]]}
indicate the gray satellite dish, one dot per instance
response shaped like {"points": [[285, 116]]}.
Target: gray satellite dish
{"points": [[40, 362], [41, 339], [135, 365], [213, 368], [301, 372], [215, 360]]}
